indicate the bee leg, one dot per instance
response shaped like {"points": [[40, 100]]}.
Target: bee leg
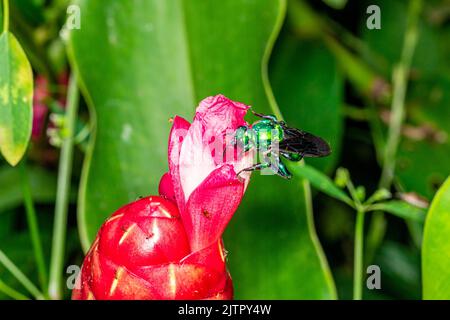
{"points": [[258, 166], [283, 171], [265, 116]]}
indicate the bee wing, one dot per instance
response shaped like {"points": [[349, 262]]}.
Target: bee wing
{"points": [[304, 143]]}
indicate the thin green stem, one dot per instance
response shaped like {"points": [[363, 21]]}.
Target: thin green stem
{"points": [[20, 276], [62, 196], [5, 15], [400, 84], [33, 227], [358, 262], [10, 292], [352, 190]]}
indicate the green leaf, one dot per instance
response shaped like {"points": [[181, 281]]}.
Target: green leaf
{"points": [[42, 183], [400, 209], [436, 247], [274, 252], [141, 80], [16, 93], [1, 19], [321, 182], [159, 59], [309, 90]]}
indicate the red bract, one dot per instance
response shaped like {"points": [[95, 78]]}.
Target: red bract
{"points": [[170, 247]]}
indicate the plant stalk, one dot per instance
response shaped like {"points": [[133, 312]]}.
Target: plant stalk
{"points": [[5, 15], [358, 263], [33, 228], [400, 84], [62, 196]]}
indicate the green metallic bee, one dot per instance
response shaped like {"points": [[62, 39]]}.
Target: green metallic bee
{"points": [[293, 144]]}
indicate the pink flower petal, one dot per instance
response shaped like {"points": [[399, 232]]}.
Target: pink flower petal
{"points": [[211, 206], [219, 114], [178, 133], [203, 148], [196, 162]]}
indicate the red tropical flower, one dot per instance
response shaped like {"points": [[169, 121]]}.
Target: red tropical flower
{"points": [[170, 246]]}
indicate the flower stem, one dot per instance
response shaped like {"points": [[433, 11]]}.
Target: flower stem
{"points": [[33, 227], [358, 262], [20, 276], [10, 292], [5, 15], [400, 84], [62, 196]]}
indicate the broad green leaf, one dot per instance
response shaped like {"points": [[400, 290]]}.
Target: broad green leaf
{"points": [[436, 247], [42, 183], [400, 209], [133, 63], [274, 252], [320, 181], [309, 90], [16, 93], [142, 62]]}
